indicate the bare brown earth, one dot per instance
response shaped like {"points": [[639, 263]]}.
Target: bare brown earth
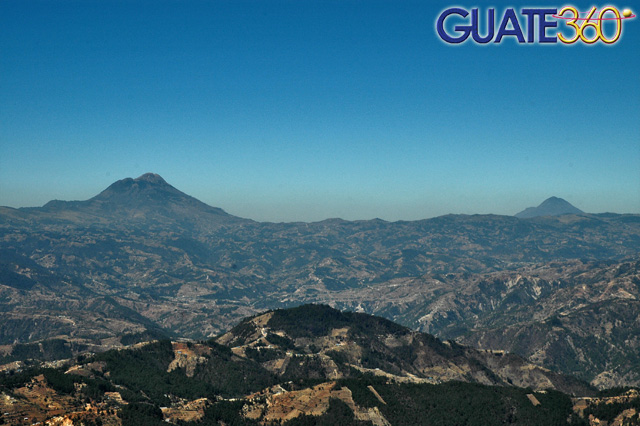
{"points": [[629, 416], [189, 411], [188, 357], [277, 405], [38, 403]]}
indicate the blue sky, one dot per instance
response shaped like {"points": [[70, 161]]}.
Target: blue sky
{"points": [[305, 110]]}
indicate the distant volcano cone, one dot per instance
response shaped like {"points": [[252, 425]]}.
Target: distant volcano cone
{"points": [[553, 206], [148, 188], [148, 197]]}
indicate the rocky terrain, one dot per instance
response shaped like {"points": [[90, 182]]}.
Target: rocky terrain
{"points": [[142, 260], [316, 341], [577, 317], [306, 365]]}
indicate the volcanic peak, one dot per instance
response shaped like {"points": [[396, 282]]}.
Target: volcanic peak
{"points": [[552, 206], [145, 197], [147, 180], [151, 178]]}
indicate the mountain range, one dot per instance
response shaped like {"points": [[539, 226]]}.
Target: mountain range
{"points": [[142, 260]]}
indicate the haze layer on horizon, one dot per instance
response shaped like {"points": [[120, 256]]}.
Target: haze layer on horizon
{"points": [[301, 111]]}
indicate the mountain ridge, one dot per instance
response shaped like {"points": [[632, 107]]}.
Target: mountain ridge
{"points": [[305, 365], [125, 189], [332, 340]]}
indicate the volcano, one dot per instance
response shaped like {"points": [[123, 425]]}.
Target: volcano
{"points": [[146, 198], [553, 206]]}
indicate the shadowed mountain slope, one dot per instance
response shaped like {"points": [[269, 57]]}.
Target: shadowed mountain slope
{"points": [[317, 341]]}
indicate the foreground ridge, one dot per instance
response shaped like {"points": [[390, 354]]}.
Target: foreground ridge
{"points": [[308, 364]]}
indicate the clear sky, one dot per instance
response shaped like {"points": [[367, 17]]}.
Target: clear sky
{"points": [[305, 110]]}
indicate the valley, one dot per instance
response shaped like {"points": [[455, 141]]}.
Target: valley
{"points": [[143, 261]]}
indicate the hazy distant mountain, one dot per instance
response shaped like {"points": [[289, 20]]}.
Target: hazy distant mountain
{"points": [[144, 194], [148, 200], [148, 191], [553, 206]]}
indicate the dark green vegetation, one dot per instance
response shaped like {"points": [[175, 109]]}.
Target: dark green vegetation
{"points": [[141, 414], [338, 413], [450, 404], [144, 372], [92, 388], [318, 320], [609, 411], [472, 405], [47, 350], [227, 413]]}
